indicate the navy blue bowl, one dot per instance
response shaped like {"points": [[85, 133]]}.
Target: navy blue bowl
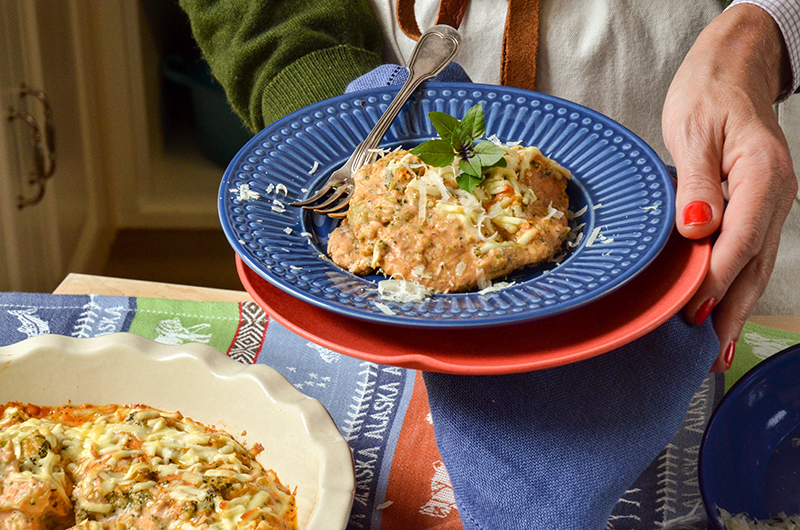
{"points": [[749, 458]]}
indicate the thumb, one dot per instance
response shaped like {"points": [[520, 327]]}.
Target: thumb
{"points": [[699, 201]]}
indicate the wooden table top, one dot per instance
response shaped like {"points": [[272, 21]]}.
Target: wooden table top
{"points": [[104, 285]]}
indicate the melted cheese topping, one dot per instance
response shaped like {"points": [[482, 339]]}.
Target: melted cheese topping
{"points": [[131, 467]]}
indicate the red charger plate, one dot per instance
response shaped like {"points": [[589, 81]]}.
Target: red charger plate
{"points": [[641, 305]]}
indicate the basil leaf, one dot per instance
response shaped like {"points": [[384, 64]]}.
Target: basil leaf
{"points": [[467, 182], [443, 123], [489, 154], [458, 141], [473, 122], [436, 153], [471, 166], [499, 163], [462, 142]]}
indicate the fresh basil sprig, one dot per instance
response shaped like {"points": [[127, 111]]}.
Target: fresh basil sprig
{"points": [[457, 139]]}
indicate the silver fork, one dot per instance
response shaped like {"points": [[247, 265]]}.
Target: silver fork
{"points": [[433, 52]]}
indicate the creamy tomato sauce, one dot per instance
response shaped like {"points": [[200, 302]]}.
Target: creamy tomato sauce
{"points": [[412, 221]]}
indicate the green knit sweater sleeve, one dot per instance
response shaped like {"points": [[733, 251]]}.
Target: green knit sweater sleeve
{"points": [[275, 56]]}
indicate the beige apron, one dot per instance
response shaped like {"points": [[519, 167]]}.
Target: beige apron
{"points": [[614, 56]]}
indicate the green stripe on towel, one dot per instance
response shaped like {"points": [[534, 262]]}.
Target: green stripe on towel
{"points": [[757, 343], [179, 322]]}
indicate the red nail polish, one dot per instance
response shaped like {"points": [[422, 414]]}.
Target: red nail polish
{"points": [[703, 311], [729, 354], [697, 213]]}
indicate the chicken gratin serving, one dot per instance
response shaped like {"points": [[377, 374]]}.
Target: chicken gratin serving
{"points": [[115, 467], [413, 221]]}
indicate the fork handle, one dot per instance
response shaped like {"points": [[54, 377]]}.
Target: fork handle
{"points": [[435, 49]]}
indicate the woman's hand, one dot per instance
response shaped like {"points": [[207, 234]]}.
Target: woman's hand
{"points": [[719, 125]]}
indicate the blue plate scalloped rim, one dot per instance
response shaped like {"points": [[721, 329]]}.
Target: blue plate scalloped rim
{"points": [[624, 186]]}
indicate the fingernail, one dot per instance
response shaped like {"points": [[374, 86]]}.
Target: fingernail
{"points": [[729, 354], [704, 311], [697, 213]]}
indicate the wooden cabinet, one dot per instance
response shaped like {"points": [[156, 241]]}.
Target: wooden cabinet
{"points": [[42, 47], [120, 162]]}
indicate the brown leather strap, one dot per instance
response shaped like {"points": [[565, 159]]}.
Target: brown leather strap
{"points": [[451, 12], [520, 35], [520, 44]]}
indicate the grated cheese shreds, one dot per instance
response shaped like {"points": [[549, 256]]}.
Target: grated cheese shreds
{"points": [[378, 151], [434, 178], [593, 237], [398, 290], [579, 213], [742, 522], [552, 212], [483, 283], [497, 286], [385, 309], [497, 141], [423, 202], [572, 243], [245, 193]]}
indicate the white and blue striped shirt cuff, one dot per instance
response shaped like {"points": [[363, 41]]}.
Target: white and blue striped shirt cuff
{"points": [[787, 15]]}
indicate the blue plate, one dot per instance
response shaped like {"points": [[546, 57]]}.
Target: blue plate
{"points": [[749, 458], [626, 188]]}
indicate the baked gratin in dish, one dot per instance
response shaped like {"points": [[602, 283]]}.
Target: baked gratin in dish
{"points": [[113, 467], [149, 456]]}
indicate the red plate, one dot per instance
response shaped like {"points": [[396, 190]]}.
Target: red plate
{"points": [[636, 308]]}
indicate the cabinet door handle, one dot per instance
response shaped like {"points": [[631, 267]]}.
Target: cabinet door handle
{"points": [[49, 126], [39, 173], [44, 145]]}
